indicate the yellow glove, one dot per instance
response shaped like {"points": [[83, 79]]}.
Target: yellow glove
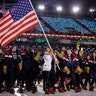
{"points": [[51, 52], [37, 56], [56, 61], [66, 70], [5, 69], [78, 46], [79, 70], [81, 53], [59, 54], [87, 70], [20, 66]]}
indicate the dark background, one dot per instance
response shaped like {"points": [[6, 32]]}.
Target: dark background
{"points": [[50, 10]]}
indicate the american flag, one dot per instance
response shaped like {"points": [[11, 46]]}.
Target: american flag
{"points": [[19, 19]]}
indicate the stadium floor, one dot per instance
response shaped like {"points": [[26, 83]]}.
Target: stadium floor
{"points": [[41, 93]]}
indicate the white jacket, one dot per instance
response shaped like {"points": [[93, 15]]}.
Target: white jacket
{"points": [[47, 62]]}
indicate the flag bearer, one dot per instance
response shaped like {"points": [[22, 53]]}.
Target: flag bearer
{"points": [[46, 71]]}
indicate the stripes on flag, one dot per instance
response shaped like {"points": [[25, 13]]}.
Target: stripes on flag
{"points": [[11, 29]]}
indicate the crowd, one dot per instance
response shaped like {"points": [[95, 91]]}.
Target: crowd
{"points": [[68, 68]]}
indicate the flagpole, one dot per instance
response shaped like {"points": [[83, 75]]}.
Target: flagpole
{"points": [[41, 27], [44, 34]]}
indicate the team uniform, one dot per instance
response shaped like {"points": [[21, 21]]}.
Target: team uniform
{"points": [[59, 71], [71, 68], [1, 72], [93, 71], [27, 72], [12, 60], [86, 66]]}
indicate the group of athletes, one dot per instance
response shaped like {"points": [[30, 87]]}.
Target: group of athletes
{"points": [[65, 67]]}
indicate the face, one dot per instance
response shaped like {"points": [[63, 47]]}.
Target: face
{"points": [[94, 54], [28, 49], [88, 57], [14, 49], [48, 49], [1, 51], [63, 49], [69, 52], [76, 52], [32, 50]]}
